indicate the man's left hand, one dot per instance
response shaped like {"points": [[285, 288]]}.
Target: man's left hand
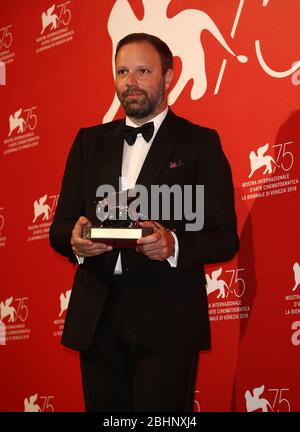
{"points": [[157, 246]]}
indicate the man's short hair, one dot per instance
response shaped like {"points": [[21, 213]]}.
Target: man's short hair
{"points": [[160, 46]]}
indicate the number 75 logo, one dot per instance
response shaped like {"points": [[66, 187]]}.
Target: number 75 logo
{"points": [[235, 284]]}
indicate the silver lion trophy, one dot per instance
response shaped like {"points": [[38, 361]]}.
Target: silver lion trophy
{"points": [[118, 222]]}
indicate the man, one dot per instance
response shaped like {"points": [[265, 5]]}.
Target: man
{"points": [[139, 316]]}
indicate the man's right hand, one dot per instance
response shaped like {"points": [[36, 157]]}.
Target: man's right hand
{"points": [[83, 247]]}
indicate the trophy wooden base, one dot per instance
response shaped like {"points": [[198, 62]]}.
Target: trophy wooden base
{"points": [[116, 237]]}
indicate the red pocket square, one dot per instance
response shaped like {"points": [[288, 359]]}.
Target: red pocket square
{"points": [[175, 164]]}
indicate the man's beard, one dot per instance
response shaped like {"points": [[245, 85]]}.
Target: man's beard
{"points": [[140, 108]]}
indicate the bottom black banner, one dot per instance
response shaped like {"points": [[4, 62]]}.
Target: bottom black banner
{"points": [[144, 421]]}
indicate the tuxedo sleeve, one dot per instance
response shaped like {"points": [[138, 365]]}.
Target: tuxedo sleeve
{"points": [[217, 241], [70, 203]]}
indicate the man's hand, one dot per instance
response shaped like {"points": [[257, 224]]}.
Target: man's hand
{"points": [[83, 247], [157, 246]]}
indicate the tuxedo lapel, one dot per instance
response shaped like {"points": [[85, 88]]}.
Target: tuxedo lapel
{"points": [[111, 164], [162, 149]]}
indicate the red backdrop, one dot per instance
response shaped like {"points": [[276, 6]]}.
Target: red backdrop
{"points": [[236, 71]]}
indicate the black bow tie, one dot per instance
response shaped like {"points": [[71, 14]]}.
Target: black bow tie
{"points": [[130, 133]]}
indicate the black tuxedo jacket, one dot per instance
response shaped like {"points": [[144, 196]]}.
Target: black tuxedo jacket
{"points": [[167, 306]]}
